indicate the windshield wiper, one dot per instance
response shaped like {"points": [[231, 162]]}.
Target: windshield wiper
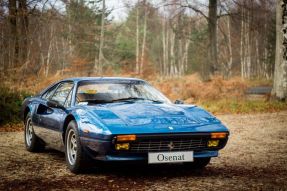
{"points": [[96, 101], [128, 98], [157, 101], [135, 98]]}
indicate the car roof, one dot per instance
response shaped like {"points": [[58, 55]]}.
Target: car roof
{"points": [[78, 79]]}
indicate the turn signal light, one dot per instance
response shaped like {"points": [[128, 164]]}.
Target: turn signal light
{"points": [[123, 146], [218, 135], [121, 138], [213, 143]]}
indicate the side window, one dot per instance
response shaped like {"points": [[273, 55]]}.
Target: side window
{"points": [[69, 99], [62, 92], [49, 92]]}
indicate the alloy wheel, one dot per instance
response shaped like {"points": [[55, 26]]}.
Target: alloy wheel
{"points": [[71, 147]]}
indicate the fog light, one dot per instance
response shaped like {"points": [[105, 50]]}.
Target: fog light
{"points": [[213, 143], [123, 146]]}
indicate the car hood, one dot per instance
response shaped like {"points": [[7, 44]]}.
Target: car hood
{"points": [[145, 117]]}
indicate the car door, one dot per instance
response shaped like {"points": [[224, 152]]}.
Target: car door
{"points": [[42, 109], [51, 119]]}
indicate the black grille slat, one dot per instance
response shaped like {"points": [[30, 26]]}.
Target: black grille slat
{"points": [[179, 144]]}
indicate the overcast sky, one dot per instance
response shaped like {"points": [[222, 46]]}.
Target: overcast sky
{"points": [[120, 7], [120, 10]]}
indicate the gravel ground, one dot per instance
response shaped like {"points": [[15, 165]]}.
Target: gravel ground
{"points": [[254, 159]]}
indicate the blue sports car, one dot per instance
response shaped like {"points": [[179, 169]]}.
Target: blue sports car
{"points": [[119, 119]]}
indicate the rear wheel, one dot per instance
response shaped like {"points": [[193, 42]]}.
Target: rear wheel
{"points": [[75, 156], [198, 163], [32, 142]]}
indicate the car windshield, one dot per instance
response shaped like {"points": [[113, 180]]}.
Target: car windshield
{"points": [[107, 92]]}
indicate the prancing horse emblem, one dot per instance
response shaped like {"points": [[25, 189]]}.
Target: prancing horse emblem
{"points": [[171, 128], [170, 145]]}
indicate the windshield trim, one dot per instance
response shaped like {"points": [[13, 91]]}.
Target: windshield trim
{"points": [[163, 99]]}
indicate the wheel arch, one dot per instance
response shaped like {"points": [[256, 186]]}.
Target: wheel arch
{"points": [[68, 119], [27, 110]]}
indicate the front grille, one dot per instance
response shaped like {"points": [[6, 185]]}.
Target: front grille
{"points": [[178, 144]]}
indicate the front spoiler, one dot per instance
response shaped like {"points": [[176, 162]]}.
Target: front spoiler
{"points": [[197, 154]]}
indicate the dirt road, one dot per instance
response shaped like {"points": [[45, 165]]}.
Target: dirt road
{"points": [[254, 159]]}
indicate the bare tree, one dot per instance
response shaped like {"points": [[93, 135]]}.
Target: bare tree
{"points": [[23, 18], [144, 39], [212, 65], [101, 56], [212, 32], [13, 30], [137, 38], [280, 75]]}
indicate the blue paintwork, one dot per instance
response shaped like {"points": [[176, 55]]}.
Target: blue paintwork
{"points": [[104, 121]]}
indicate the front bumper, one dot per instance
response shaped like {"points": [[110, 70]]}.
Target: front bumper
{"points": [[103, 150], [144, 157]]}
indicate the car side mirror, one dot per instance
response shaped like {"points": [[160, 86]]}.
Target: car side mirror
{"points": [[55, 104], [178, 102]]}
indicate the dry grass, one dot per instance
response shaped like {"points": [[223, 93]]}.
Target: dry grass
{"points": [[224, 106], [192, 90], [11, 127], [217, 95]]}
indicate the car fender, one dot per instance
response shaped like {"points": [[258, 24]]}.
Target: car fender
{"points": [[28, 107], [89, 125]]}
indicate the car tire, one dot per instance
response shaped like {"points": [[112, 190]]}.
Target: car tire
{"points": [[198, 163], [32, 142], [74, 153]]}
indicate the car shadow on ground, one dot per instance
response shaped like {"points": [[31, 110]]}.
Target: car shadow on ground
{"points": [[136, 169], [144, 170]]}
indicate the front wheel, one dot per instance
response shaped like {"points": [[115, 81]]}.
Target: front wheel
{"points": [[198, 163], [73, 150]]}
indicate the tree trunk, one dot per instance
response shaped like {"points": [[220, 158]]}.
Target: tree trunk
{"points": [[248, 47], [2, 55], [172, 55], [167, 54], [257, 56], [100, 58], [65, 54], [13, 31], [179, 58], [229, 65], [242, 30], [163, 72], [49, 54], [137, 40], [280, 74], [23, 18], [212, 32], [144, 40], [69, 29]]}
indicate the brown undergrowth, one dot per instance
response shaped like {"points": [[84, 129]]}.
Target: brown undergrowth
{"points": [[217, 95]]}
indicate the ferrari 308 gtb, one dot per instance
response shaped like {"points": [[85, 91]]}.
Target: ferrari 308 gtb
{"points": [[119, 119]]}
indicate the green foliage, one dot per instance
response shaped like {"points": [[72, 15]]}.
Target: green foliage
{"points": [[126, 37], [198, 48], [125, 47], [85, 24], [10, 105]]}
